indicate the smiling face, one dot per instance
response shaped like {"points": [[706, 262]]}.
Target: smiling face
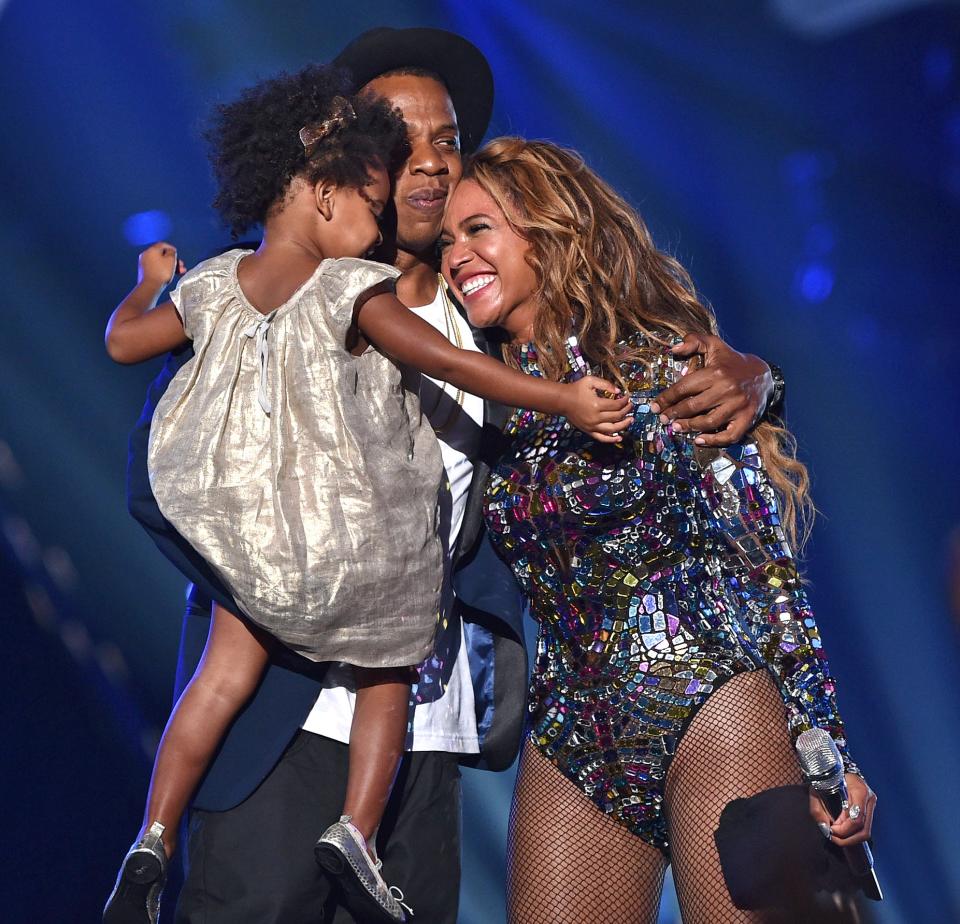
{"points": [[353, 229], [484, 262], [434, 167]]}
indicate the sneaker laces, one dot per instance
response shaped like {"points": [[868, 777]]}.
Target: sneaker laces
{"points": [[398, 895], [393, 891]]}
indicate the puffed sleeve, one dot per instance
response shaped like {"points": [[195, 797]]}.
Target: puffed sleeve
{"points": [[196, 294], [186, 296], [346, 279], [741, 510]]}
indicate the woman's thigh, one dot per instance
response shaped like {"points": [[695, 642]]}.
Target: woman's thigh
{"points": [[736, 746], [568, 862]]}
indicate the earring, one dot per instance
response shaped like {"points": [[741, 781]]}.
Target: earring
{"points": [[373, 247]]}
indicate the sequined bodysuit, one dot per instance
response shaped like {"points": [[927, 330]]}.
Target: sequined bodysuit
{"points": [[656, 571]]}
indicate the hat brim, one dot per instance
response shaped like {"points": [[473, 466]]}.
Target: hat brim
{"points": [[460, 63]]}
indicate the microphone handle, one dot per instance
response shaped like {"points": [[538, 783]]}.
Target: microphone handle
{"points": [[859, 856]]}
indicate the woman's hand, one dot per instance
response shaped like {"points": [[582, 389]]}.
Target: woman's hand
{"points": [[157, 266], [846, 831], [597, 408], [722, 399]]}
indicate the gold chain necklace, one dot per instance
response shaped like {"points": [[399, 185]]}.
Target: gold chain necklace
{"points": [[453, 335]]}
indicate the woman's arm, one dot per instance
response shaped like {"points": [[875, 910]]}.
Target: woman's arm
{"points": [[399, 333], [140, 329], [742, 511], [742, 506]]}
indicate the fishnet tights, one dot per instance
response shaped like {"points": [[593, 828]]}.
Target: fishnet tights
{"points": [[736, 746], [569, 862]]}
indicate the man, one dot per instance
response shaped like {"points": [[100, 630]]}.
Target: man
{"points": [[280, 776]]}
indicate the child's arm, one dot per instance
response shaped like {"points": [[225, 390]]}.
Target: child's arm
{"points": [[137, 330], [399, 333]]}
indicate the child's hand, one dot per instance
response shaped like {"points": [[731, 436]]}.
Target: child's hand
{"points": [[600, 417], [158, 264]]}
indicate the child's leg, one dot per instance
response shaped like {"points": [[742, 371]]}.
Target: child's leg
{"points": [[233, 662], [377, 736]]}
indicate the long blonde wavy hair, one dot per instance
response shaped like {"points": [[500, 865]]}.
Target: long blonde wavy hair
{"points": [[596, 263]]}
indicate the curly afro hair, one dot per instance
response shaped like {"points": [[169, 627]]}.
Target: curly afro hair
{"points": [[256, 151]]}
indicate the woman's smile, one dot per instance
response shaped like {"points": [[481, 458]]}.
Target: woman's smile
{"points": [[485, 262], [475, 284]]}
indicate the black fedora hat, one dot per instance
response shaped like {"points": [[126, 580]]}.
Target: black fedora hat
{"points": [[460, 63]]}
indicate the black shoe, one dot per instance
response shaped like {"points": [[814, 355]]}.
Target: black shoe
{"points": [[135, 898]]}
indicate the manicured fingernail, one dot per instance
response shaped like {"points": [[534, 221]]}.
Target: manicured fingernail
{"points": [[824, 829], [676, 427], [664, 419], [700, 441], [654, 407]]}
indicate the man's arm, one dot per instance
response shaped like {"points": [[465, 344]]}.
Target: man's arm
{"points": [[722, 399]]}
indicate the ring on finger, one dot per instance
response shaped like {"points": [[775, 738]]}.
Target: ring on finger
{"points": [[854, 812]]}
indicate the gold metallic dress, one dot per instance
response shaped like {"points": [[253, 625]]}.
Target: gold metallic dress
{"points": [[304, 475]]}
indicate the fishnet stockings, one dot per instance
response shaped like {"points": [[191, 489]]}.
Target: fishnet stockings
{"points": [[568, 862], [736, 746]]}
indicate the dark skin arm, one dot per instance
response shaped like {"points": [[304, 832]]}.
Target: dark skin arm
{"points": [[387, 323], [722, 399], [139, 329]]}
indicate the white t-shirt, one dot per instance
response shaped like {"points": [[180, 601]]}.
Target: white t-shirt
{"points": [[444, 717]]}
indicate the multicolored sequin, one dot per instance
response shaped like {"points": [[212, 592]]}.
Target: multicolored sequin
{"points": [[656, 570]]}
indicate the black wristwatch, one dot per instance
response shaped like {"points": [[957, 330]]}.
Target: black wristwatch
{"points": [[775, 406]]}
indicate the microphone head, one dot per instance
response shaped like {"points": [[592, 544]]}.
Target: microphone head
{"points": [[820, 759]]}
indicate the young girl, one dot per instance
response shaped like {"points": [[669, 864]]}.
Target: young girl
{"points": [[289, 453]]}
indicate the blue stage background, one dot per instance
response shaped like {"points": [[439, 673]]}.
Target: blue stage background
{"points": [[801, 157]]}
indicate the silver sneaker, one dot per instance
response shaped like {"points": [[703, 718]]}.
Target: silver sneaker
{"points": [[135, 898], [342, 852]]}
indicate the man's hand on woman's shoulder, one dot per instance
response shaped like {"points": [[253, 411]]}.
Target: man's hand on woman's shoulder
{"points": [[723, 398]]}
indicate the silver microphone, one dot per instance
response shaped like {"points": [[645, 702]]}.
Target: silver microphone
{"points": [[822, 768]]}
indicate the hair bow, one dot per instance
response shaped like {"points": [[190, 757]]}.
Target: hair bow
{"points": [[311, 135]]}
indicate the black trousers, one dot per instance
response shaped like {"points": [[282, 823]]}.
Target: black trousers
{"points": [[254, 863]]}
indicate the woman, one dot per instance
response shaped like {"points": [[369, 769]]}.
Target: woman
{"points": [[673, 627]]}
